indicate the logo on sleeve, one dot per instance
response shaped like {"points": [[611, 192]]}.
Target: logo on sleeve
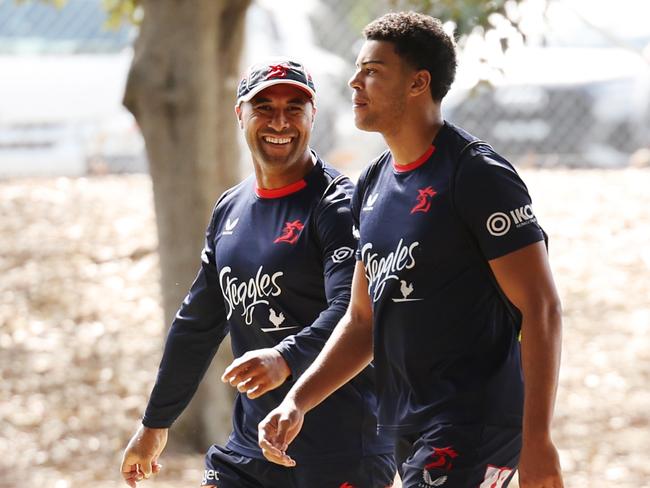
{"points": [[495, 477], [230, 226], [424, 199], [342, 254], [499, 223], [290, 232], [370, 202]]}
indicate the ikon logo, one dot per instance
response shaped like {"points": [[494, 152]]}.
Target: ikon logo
{"points": [[522, 214], [499, 223]]}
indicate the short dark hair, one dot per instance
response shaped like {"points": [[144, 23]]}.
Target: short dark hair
{"points": [[421, 41]]}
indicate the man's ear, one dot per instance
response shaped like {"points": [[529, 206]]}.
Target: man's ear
{"points": [[313, 113], [238, 113], [421, 82]]}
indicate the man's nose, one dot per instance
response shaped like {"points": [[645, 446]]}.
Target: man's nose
{"points": [[279, 121], [353, 82]]}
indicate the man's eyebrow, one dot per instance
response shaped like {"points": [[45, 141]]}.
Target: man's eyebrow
{"points": [[298, 99], [304, 99], [370, 61]]}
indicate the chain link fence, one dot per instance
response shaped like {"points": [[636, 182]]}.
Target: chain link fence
{"points": [[581, 103]]}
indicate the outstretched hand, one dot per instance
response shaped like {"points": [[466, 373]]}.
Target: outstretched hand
{"points": [[140, 459], [257, 372], [278, 429]]}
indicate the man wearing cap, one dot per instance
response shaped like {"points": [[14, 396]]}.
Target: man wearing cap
{"points": [[275, 273]]}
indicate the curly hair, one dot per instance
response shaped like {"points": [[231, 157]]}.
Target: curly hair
{"points": [[422, 42]]}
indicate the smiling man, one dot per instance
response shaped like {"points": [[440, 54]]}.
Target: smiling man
{"points": [[275, 274], [451, 269]]}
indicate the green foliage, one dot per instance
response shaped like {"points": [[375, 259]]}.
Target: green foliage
{"points": [[56, 3], [120, 11], [468, 15]]}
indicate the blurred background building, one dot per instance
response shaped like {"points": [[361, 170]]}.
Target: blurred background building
{"points": [[575, 92]]}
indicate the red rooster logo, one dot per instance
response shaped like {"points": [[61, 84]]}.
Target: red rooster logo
{"points": [[277, 71], [290, 233], [424, 199], [442, 458]]}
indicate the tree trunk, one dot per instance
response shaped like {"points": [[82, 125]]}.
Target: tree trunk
{"points": [[181, 89]]}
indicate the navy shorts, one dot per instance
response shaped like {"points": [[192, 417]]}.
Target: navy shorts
{"points": [[459, 456], [227, 469]]}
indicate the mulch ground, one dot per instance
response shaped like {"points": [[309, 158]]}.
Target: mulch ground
{"points": [[81, 326]]}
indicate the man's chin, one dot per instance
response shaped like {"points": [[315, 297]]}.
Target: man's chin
{"points": [[278, 160], [365, 125]]}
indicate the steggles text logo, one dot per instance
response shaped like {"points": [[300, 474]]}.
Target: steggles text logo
{"points": [[381, 270], [248, 294]]}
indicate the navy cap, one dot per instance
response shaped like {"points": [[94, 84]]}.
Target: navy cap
{"points": [[274, 72]]}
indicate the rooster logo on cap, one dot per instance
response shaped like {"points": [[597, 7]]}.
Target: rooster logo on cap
{"points": [[277, 71]]}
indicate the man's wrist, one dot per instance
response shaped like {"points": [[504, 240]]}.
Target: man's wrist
{"points": [[152, 430], [283, 364], [536, 435]]}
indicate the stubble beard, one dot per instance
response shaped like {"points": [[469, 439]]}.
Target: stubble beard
{"points": [[383, 120]]}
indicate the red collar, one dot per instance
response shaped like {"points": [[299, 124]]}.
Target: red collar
{"points": [[403, 168], [280, 192]]}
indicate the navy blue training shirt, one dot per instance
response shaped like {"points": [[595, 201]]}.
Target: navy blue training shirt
{"points": [[446, 350], [276, 272]]}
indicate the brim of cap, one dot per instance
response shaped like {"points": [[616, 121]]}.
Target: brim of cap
{"points": [[265, 84]]}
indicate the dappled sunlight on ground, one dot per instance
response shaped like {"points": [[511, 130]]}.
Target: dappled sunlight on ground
{"points": [[81, 326]]}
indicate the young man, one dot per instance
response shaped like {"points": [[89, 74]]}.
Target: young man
{"points": [[275, 274], [451, 268]]}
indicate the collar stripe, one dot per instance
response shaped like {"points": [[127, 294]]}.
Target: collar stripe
{"points": [[280, 192], [403, 168]]}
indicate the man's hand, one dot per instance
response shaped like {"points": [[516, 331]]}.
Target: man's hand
{"points": [[539, 466], [257, 372], [278, 429], [141, 455]]}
